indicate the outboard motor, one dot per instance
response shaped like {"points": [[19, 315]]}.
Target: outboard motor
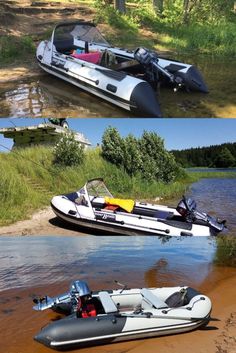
{"points": [[188, 209], [149, 60], [65, 302], [79, 289]]}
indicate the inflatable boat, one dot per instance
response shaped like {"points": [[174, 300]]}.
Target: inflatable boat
{"points": [[93, 207], [80, 55], [109, 316]]}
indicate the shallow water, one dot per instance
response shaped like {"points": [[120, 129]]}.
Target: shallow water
{"points": [[47, 260], [47, 96], [217, 197]]}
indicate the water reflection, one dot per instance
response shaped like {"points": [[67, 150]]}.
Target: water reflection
{"points": [[28, 262], [50, 97]]}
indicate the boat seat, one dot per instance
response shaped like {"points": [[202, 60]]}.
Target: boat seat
{"points": [[107, 302], [65, 44], [153, 299]]}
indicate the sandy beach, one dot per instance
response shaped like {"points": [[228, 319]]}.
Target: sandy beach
{"points": [[43, 222], [19, 323]]}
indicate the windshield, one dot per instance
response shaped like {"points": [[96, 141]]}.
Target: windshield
{"points": [[86, 32], [97, 188]]}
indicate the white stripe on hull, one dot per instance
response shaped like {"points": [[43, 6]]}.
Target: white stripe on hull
{"points": [[123, 336]]}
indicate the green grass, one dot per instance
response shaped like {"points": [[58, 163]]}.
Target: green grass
{"points": [[226, 251], [15, 49], [129, 31], [29, 179], [169, 33]]}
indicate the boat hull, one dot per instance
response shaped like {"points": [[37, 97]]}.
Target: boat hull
{"points": [[118, 88], [71, 332], [126, 314], [109, 225]]}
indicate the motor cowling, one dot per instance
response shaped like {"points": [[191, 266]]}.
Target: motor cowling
{"points": [[187, 207]]}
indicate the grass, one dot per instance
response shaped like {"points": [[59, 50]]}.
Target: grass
{"points": [[14, 49], [139, 27], [29, 179], [226, 251], [194, 38]]}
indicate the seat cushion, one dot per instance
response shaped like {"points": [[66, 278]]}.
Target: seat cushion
{"points": [[107, 302], [153, 299]]}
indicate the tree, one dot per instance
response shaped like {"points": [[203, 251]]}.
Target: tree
{"points": [[68, 151], [158, 6], [146, 156], [120, 6], [225, 159], [113, 146], [157, 163], [132, 155]]}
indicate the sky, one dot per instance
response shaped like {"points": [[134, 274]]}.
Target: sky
{"points": [[177, 133]]}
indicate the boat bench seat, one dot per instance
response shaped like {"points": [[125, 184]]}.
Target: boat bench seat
{"points": [[107, 302], [153, 299]]}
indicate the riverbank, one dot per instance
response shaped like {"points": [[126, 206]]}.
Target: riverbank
{"points": [[25, 23], [32, 170], [218, 336], [30, 180], [42, 222]]}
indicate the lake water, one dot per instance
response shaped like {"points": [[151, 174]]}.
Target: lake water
{"points": [[48, 96], [140, 260], [211, 170], [149, 260]]}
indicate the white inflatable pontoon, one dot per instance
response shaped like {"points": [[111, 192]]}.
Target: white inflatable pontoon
{"points": [[94, 208], [79, 54], [110, 316]]}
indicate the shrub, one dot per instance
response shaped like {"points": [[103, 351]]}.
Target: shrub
{"points": [[113, 146], [68, 151], [146, 155]]}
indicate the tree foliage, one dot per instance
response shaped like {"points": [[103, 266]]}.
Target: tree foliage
{"points": [[184, 11], [212, 156], [113, 146], [146, 155], [225, 159], [68, 151]]}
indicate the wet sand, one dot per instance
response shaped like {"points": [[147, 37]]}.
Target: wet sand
{"points": [[19, 323]]}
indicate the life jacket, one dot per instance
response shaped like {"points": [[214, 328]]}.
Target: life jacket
{"points": [[88, 310]]}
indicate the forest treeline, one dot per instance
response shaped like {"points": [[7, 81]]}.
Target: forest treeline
{"points": [[183, 10], [202, 26], [219, 156]]}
